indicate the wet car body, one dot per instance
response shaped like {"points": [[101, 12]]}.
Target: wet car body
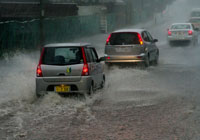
{"points": [[131, 46], [182, 32], [69, 68]]}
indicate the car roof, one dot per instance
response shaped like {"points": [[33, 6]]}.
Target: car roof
{"points": [[195, 18], [195, 9], [180, 23], [129, 30], [68, 45]]}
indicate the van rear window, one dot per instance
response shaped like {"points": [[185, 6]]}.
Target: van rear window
{"points": [[195, 20], [124, 38], [195, 14], [181, 26], [62, 56]]}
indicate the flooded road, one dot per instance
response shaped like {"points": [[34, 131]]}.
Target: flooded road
{"points": [[157, 103]]}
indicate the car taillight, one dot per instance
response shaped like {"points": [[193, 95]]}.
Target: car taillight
{"points": [[190, 32], [39, 71], [85, 71], [108, 57], [108, 39], [169, 33], [140, 39]]}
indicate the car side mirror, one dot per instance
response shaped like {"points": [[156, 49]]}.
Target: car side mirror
{"points": [[101, 59], [155, 40]]}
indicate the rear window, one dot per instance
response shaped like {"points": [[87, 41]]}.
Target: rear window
{"points": [[195, 20], [195, 14], [62, 56], [181, 26], [123, 39]]}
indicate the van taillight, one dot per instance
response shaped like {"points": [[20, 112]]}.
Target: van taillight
{"points": [[39, 71], [140, 39], [85, 71], [108, 39], [190, 32]]}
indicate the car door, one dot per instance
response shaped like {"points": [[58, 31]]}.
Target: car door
{"points": [[148, 44], [92, 63], [153, 45], [98, 68]]}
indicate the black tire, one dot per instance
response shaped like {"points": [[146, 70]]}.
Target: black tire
{"points": [[40, 94], [170, 43], [103, 82], [155, 62], [147, 62], [91, 90]]}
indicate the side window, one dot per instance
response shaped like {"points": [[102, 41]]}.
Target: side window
{"points": [[90, 55], [145, 37], [150, 37], [94, 55]]}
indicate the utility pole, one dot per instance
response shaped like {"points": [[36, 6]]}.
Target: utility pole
{"points": [[41, 24]]}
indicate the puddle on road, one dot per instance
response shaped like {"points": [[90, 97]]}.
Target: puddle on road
{"points": [[136, 86]]}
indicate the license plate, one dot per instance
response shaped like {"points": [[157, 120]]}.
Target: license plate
{"points": [[122, 49], [62, 88]]}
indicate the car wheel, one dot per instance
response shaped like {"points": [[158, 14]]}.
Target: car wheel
{"points": [[170, 43], [155, 62], [91, 90], [103, 82], [146, 62], [40, 94]]}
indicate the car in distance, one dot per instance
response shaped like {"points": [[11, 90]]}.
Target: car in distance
{"points": [[69, 68], [182, 32], [195, 12], [131, 46], [195, 21]]}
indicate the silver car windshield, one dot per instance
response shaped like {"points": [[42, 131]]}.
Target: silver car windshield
{"points": [[62, 56]]}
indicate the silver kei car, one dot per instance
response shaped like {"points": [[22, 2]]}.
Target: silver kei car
{"points": [[182, 32], [131, 46], [69, 68]]}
